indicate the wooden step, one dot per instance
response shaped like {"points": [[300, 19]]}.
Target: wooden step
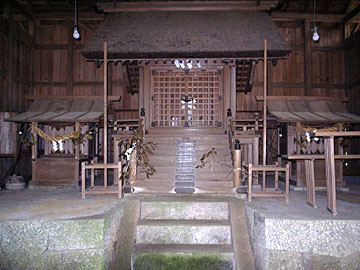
{"points": [[171, 183], [227, 176]]}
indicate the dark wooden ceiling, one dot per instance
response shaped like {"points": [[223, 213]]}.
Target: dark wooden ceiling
{"points": [[40, 7], [89, 13]]}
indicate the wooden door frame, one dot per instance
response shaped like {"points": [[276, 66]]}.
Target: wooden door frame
{"points": [[146, 87]]}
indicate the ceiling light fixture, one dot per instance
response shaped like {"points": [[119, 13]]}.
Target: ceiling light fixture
{"points": [[76, 33], [316, 34]]}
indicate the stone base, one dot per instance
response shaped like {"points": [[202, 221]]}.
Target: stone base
{"points": [[183, 261], [59, 244], [286, 243]]}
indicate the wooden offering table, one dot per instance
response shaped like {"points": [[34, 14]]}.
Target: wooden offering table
{"points": [[330, 162]]}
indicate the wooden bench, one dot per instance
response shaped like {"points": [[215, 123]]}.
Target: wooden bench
{"points": [[268, 192]]}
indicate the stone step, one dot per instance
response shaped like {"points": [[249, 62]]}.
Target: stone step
{"points": [[173, 183], [215, 169], [200, 141], [183, 257], [172, 159], [192, 232], [167, 151], [185, 210], [226, 176], [185, 131], [218, 190]]}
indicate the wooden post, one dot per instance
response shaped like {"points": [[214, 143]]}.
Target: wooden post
{"points": [[116, 158], [105, 113], [34, 153], [330, 174], [237, 164], [83, 180], [287, 184], [77, 156], [307, 59], [264, 117], [7, 99], [250, 182], [119, 172], [310, 182], [132, 168]]}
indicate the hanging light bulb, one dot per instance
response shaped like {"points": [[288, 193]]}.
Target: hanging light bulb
{"points": [[316, 34], [198, 64], [76, 33]]}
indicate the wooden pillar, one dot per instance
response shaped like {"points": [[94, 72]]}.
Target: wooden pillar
{"points": [[330, 174], [105, 147], [226, 91], [141, 90], [116, 158], [34, 153], [83, 180], [70, 60], [147, 96], [233, 91], [265, 112], [237, 165], [307, 59], [7, 98], [132, 168], [77, 156]]}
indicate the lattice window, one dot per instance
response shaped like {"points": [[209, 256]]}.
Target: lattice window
{"points": [[192, 99]]}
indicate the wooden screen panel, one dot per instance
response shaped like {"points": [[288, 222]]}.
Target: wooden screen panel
{"points": [[204, 88], [180, 99]]}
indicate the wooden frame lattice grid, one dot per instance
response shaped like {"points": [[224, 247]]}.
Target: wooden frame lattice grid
{"points": [[186, 99]]}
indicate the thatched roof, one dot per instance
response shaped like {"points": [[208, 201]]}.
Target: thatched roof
{"points": [[198, 34], [305, 111], [61, 111]]}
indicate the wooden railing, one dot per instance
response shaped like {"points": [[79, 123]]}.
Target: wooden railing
{"points": [[243, 135], [116, 188], [128, 129]]}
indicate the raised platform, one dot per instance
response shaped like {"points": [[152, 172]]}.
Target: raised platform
{"points": [[46, 229], [298, 236]]}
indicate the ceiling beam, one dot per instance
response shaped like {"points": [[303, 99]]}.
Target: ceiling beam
{"points": [[21, 9], [294, 16], [287, 5], [350, 16], [328, 6], [185, 6]]}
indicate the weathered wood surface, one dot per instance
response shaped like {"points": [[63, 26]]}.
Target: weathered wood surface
{"points": [[54, 172], [8, 135]]}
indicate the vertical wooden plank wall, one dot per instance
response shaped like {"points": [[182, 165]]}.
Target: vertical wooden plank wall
{"points": [[15, 83], [61, 70], [287, 78], [352, 60]]}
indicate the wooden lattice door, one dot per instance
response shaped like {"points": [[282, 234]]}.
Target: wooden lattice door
{"points": [[191, 99]]}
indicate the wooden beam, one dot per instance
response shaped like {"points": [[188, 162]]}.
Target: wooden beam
{"points": [[70, 61], [307, 58], [350, 16], [37, 97], [306, 98], [7, 99], [264, 109], [22, 10], [185, 6], [295, 16], [287, 5]]}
